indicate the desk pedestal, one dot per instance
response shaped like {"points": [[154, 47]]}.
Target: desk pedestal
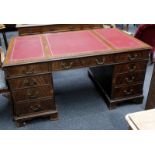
{"points": [[32, 93], [118, 88]]}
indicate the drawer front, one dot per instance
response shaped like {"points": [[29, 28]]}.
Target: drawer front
{"points": [[32, 81], [130, 67], [31, 107], [26, 69], [83, 62], [127, 91], [64, 65], [32, 93], [128, 78], [98, 60], [132, 56]]}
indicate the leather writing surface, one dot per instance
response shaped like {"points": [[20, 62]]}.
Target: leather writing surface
{"points": [[27, 47], [71, 43], [118, 39]]}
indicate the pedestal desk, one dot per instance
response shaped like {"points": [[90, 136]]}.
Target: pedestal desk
{"points": [[30, 61]]}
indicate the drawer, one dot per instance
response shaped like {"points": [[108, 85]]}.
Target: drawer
{"points": [[65, 64], [23, 70], [130, 67], [132, 56], [32, 81], [98, 60], [36, 106], [83, 62], [127, 91], [32, 93], [128, 78]]}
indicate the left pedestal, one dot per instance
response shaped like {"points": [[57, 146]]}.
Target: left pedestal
{"points": [[32, 92]]}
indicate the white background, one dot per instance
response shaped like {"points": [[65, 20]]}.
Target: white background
{"points": [[77, 12]]}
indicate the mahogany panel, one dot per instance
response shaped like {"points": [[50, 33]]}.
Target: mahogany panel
{"points": [[32, 93], [24, 70], [34, 106], [133, 56], [127, 91], [128, 78], [31, 81], [130, 67]]}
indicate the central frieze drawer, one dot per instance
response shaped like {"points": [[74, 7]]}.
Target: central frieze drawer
{"points": [[81, 62], [32, 93]]}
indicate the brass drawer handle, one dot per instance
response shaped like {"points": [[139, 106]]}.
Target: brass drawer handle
{"points": [[26, 82], [131, 79], [100, 62], [132, 57], [132, 68], [65, 66], [30, 72], [32, 95], [30, 82], [36, 107], [128, 92], [33, 82]]}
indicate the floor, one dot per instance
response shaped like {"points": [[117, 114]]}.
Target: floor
{"points": [[79, 104]]}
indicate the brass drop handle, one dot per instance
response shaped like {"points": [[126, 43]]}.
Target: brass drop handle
{"points": [[36, 107], [32, 94], [128, 92], [100, 62], [131, 79], [26, 82], [30, 70], [132, 68], [132, 57], [30, 82], [33, 82], [65, 66]]}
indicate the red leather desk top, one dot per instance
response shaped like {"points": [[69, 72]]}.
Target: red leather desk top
{"points": [[73, 43], [118, 39], [27, 47], [34, 48]]}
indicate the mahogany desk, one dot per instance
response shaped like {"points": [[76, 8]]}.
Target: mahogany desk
{"points": [[30, 61]]}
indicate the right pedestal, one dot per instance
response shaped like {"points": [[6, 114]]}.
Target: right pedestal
{"points": [[121, 83]]}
